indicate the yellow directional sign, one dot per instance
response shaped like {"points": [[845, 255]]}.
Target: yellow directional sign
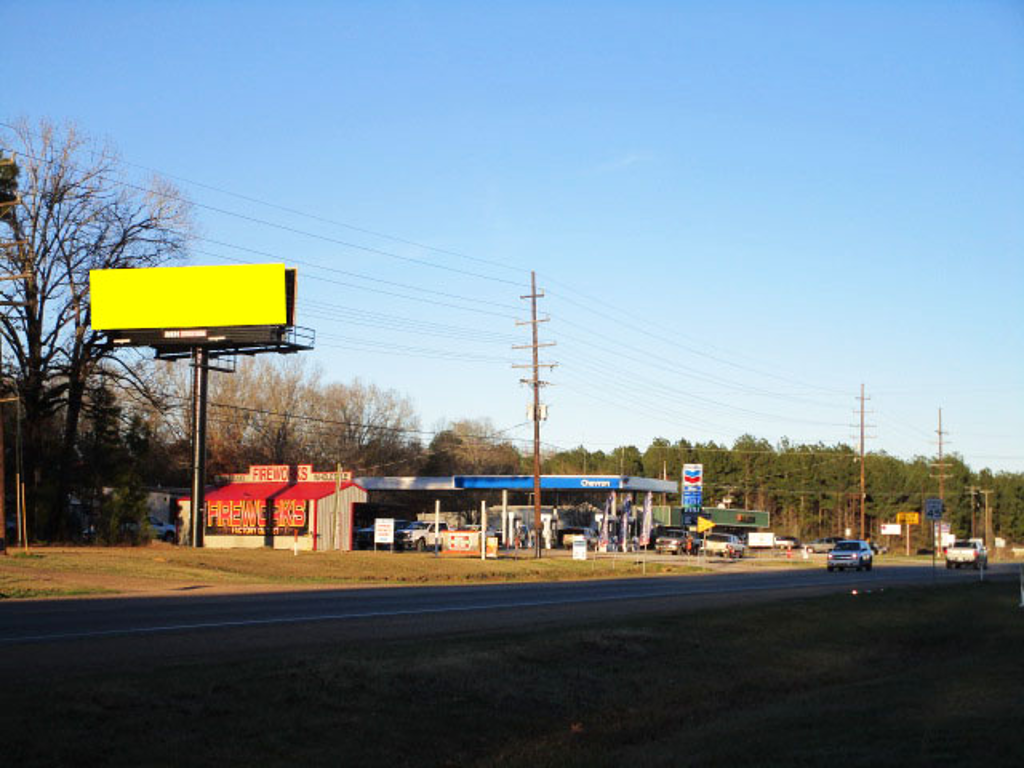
{"points": [[910, 518], [703, 524]]}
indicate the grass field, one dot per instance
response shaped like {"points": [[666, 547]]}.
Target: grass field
{"points": [[909, 677], [69, 571]]}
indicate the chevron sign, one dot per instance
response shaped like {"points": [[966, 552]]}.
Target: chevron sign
{"points": [[693, 475]]}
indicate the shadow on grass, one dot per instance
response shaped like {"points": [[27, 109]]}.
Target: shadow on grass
{"points": [[901, 677]]}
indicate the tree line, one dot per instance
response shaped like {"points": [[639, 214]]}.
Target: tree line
{"points": [[813, 490]]}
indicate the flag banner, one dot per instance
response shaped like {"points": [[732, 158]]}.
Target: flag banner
{"points": [[604, 520], [624, 524], [645, 528]]}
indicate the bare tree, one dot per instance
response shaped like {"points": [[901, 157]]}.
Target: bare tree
{"points": [[471, 446], [278, 410], [368, 429], [76, 212]]}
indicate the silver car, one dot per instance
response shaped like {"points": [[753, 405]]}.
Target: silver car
{"points": [[851, 553]]}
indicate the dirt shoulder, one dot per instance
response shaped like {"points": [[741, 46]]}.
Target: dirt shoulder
{"points": [[164, 569]]}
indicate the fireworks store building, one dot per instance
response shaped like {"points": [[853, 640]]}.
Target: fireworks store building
{"points": [[282, 507]]}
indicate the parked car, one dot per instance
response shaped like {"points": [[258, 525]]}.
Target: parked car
{"points": [[154, 526], [724, 545], [418, 535], [878, 549], [850, 553], [964, 553], [821, 546], [161, 530], [566, 537], [364, 538], [787, 542], [431, 535], [672, 541], [664, 530], [403, 534], [409, 536]]}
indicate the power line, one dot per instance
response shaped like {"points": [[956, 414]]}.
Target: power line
{"points": [[295, 230], [327, 422], [335, 270], [675, 342], [316, 217], [283, 227], [663, 389]]}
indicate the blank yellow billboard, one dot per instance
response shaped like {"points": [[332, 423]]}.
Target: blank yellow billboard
{"points": [[189, 297]]}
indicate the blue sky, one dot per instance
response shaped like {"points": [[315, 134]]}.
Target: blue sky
{"points": [[739, 211]]}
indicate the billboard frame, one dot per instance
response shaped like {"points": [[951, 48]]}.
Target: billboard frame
{"points": [[201, 343]]}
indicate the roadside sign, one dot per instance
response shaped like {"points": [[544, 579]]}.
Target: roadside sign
{"points": [[933, 509], [703, 524], [910, 518], [384, 530], [693, 486], [579, 548], [461, 541], [891, 529]]}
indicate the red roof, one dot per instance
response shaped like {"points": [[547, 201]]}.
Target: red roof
{"points": [[240, 491], [313, 490]]}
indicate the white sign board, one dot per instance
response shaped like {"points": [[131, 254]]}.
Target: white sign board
{"points": [[760, 539], [892, 529], [384, 530], [579, 548]]}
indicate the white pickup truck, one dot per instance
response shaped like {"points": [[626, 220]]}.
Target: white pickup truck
{"points": [[421, 535], [966, 554]]}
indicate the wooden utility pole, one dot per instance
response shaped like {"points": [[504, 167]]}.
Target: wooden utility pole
{"points": [[974, 504], [941, 466], [3, 517], [3, 483], [988, 519], [535, 411], [863, 489]]}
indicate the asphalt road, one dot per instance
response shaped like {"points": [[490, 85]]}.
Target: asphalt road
{"points": [[59, 636]]}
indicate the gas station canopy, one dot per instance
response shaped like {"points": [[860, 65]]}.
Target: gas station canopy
{"points": [[519, 483]]}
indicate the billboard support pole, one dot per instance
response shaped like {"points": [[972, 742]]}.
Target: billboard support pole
{"points": [[200, 371]]}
